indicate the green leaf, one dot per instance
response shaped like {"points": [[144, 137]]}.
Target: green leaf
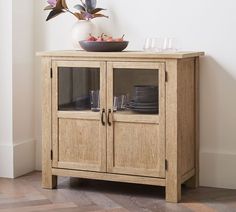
{"points": [[54, 13], [49, 7], [79, 7], [97, 10]]}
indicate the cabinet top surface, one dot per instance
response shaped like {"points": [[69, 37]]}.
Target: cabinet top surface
{"points": [[124, 54]]}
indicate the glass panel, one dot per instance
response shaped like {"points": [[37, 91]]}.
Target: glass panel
{"points": [[78, 89], [136, 91]]}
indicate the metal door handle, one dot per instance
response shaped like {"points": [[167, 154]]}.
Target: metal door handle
{"points": [[108, 117], [102, 117]]}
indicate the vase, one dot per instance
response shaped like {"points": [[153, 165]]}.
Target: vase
{"points": [[81, 30]]}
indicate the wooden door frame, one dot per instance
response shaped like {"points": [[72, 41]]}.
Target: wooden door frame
{"points": [[78, 115], [160, 66]]}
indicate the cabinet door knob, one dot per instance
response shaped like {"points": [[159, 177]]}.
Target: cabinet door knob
{"points": [[102, 117], [108, 117]]}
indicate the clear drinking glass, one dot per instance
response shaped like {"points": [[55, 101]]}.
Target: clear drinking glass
{"points": [[153, 44], [148, 44], [169, 44], [157, 44], [115, 104], [123, 104], [120, 102], [95, 100]]}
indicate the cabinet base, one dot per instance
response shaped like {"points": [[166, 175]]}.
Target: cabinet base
{"points": [[109, 177], [171, 195]]}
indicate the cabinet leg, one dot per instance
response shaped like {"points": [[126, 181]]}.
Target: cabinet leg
{"points": [[193, 182], [49, 181], [173, 193]]}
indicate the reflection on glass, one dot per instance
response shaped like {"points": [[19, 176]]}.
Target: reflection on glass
{"points": [[75, 86], [136, 90], [120, 102], [95, 100]]}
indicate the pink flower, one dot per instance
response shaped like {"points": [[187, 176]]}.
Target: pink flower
{"points": [[52, 2]]}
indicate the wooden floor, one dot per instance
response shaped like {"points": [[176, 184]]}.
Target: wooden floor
{"points": [[73, 195]]}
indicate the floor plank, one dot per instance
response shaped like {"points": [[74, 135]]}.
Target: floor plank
{"points": [[25, 194]]}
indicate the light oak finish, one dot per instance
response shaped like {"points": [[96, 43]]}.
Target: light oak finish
{"points": [[173, 153], [137, 153], [127, 152], [197, 123], [160, 149], [180, 124], [124, 54], [188, 176], [186, 117], [78, 143], [194, 181], [86, 115], [129, 116], [48, 180], [110, 177]]}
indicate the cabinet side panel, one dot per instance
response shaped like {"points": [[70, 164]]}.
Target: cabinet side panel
{"points": [[173, 151], [186, 114], [48, 181], [197, 75]]}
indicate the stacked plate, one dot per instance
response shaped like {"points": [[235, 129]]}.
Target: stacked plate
{"points": [[145, 99]]}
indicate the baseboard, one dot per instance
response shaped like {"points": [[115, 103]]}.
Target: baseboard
{"points": [[24, 157], [6, 161], [218, 170]]}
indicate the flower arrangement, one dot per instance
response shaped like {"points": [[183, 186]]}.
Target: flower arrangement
{"points": [[87, 10]]}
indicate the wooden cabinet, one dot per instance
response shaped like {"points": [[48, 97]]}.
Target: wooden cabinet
{"points": [[85, 135], [78, 137], [136, 141]]}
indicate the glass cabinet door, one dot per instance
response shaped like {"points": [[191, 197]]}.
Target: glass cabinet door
{"points": [[136, 107], [78, 89], [79, 104]]}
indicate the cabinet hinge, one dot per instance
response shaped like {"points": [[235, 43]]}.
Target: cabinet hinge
{"points": [[51, 72], [166, 76], [166, 164], [51, 154]]}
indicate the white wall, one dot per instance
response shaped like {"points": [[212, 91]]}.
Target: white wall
{"points": [[6, 73], [17, 149], [206, 25], [6, 150], [23, 70], [23, 86]]}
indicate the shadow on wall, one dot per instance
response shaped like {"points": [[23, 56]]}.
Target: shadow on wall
{"points": [[217, 125]]}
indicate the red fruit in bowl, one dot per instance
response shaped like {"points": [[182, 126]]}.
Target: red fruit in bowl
{"points": [[110, 39], [100, 39], [91, 38]]}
